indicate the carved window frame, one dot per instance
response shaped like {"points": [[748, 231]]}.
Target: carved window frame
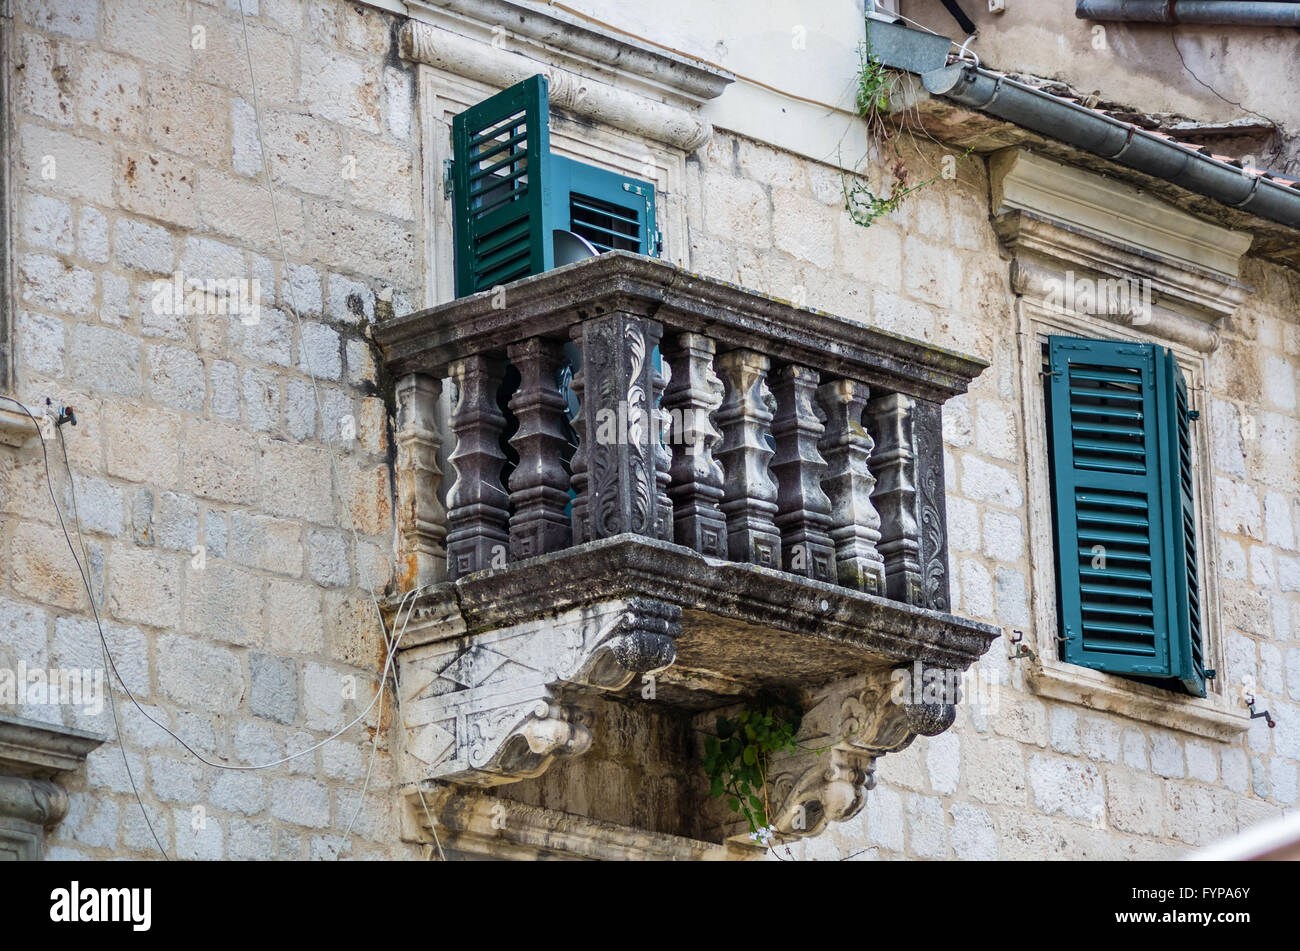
{"points": [[1214, 715]]}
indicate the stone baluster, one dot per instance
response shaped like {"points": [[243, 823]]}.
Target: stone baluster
{"points": [[855, 524], [539, 485], [478, 512], [803, 511], [421, 519], [909, 495], [617, 467], [749, 491], [694, 393]]}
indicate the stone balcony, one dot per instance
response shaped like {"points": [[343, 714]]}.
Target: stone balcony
{"points": [[668, 495]]}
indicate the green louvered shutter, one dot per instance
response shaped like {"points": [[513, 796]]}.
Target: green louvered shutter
{"points": [[1109, 483], [1187, 661], [503, 196], [614, 212]]}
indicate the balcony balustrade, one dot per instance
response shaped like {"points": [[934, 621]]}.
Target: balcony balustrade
{"points": [[652, 472]]}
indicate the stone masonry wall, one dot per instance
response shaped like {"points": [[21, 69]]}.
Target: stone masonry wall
{"points": [[220, 547], [135, 156]]}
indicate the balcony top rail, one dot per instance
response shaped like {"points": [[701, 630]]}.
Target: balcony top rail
{"points": [[547, 305]]}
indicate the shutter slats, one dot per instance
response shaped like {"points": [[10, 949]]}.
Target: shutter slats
{"points": [[1108, 525], [511, 194], [1188, 659], [1123, 490], [501, 153]]}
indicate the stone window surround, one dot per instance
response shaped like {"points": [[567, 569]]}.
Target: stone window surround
{"points": [[1056, 220], [33, 755], [638, 117], [1213, 716]]}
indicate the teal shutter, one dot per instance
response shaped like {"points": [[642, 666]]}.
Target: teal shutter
{"points": [[612, 211], [1125, 517], [503, 194], [1188, 661], [1107, 478], [511, 194]]}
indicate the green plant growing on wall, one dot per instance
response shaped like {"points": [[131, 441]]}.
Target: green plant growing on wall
{"points": [[874, 95], [738, 759]]}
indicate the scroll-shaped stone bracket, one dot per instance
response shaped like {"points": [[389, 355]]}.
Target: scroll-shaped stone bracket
{"points": [[847, 726], [500, 706]]}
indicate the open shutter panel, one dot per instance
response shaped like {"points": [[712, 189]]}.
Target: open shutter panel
{"points": [[1106, 471], [503, 192], [612, 211], [1185, 603]]}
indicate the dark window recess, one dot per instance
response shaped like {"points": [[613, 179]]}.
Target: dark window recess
{"points": [[607, 226]]}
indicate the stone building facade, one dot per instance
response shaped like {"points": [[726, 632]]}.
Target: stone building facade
{"points": [[237, 457]]}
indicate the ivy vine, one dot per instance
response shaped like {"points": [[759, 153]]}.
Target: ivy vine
{"points": [[874, 94]]}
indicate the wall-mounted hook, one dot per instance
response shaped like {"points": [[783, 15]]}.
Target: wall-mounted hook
{"points": [[1020, 649], [1248, 698]]}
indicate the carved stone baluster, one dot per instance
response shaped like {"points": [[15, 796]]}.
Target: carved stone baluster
{"points": [[478, 512], [539, 486], [617, 470], [848, 481], [893, 462], [933, 508], [422, 521], [908, 465], [694, 393], [749, 491], [803, 510]]}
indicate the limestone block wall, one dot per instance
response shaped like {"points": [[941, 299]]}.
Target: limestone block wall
{"points": [[220, 550]]}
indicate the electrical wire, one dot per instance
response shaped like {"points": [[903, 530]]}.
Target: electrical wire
{"points": [[90, 594]]}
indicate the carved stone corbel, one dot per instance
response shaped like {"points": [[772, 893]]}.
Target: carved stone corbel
{"points": [[500, 706], [847, 727]]}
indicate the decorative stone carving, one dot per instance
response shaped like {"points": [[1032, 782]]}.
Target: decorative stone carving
{"points": [[846, 447], [803, 510], [749, 491], [618, 468], [933, 518], [893, 462], [478, 513], [500, 706], [909, 495], [421, 520], [539, 486], [695, 486]]}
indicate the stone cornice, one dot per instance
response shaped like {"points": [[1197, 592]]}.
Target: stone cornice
{"points": [[546, 305], [31, 748], [594, 76], [16, 428], [475, 822], [1113, 212]]}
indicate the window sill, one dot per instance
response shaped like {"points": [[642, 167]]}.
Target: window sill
{"points": [[1207, 717]]}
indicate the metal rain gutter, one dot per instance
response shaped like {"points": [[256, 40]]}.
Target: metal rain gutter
{"points": [[1216, 12], [1109, 138]]}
